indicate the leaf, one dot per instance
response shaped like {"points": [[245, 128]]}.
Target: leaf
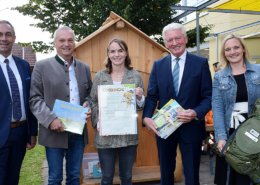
{"points": [[86, 16]]}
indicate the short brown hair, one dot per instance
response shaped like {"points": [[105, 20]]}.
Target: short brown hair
{"points": [[123, 45]]}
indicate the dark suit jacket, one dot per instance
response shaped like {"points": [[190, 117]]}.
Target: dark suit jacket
{"points": [[195, 92], [6, 102]]}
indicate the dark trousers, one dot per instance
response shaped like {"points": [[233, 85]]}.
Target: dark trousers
{"points": [[191, 153], [126, 157], [12, 154]]}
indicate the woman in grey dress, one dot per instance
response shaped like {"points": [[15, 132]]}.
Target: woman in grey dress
{"points": [[117, 71]]}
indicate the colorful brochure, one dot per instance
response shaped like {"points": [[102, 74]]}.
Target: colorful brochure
{"points": [[96, 169], [117, 109], [91, 166], [71, 115], [166, 120]]}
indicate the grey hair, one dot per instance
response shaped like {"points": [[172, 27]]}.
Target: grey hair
{"points": [[173, 26], [63, 28], [7, 22]]}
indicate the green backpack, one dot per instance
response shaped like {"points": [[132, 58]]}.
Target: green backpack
{"points": [[243, 147]]}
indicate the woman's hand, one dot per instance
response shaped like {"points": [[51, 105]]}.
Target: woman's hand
{"points": [[139, 92], [221, 144], [99, 130], [87, 113]]}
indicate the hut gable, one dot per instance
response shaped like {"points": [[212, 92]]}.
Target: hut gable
{"points": [[142, 49]]}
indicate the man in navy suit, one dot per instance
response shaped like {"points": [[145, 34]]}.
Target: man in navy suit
{"points": [[18, 127], [193, 91]]}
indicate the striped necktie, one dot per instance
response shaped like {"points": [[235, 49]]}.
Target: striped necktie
{"points": [[17, 111], [175, 76]]}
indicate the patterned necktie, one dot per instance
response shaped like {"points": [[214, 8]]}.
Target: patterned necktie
{"points": [[175, 76], [17, 111]]}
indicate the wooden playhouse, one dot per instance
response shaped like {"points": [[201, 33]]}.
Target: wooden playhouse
{"points": [[143, 52]]}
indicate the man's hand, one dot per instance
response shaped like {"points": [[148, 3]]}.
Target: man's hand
{"points": [[139, 92], [57, 125], [88, 113], [151, 126], [33, 143], [221, 145], [186, 116]]}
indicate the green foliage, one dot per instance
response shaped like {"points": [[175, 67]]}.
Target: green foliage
{"points": [[38, 46], [31, 171], [86, 16], [204, 33]]}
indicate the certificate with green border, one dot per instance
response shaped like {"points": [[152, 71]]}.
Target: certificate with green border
{"points": [[117, 109]]}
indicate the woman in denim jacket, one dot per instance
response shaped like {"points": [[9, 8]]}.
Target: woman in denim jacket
{"points": [[235, 89]]}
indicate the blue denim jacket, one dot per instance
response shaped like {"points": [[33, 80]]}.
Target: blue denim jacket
{"points": [[224, 96]]}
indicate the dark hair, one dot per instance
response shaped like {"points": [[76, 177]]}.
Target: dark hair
{"points": [[216, 64], [123, 45], [7, 22]]}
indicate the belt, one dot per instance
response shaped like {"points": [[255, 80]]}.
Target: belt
{"points": [[16, 124]]}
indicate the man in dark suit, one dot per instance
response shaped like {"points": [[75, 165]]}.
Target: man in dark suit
{"points": [[18, 127], [186, 78]]}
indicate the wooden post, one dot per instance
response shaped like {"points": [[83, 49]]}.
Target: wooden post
{"points": [[178, 168]]}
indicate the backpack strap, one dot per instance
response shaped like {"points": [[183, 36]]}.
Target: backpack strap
{"points": [[230, 138], [228, 174]]}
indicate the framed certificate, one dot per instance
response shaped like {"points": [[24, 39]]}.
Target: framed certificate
{"points": [[117, 109]]}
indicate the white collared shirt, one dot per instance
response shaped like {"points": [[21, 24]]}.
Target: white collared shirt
{"points": [[181, 64], [74, 90], [18, 79]]}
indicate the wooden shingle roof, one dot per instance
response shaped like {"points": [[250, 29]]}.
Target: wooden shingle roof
{"points": [[114, 18]]}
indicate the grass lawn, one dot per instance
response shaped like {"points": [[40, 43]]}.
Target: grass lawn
{"points": [[31, 171]]}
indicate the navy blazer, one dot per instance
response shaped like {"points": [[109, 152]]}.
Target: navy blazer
{"points": [[195, 92], [6, 102]]}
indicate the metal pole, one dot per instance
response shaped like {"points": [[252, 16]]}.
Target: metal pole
{"points": [[23, 52], [198, 33], [217, 47]]}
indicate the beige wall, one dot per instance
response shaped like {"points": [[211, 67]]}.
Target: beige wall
{"points": [[226, 21]]}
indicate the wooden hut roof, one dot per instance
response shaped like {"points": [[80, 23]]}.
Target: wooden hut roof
{"points": [[114, 18]]}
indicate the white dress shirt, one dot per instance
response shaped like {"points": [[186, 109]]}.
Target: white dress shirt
{"points": [[181, 64], [18, 79], [74, 90]]}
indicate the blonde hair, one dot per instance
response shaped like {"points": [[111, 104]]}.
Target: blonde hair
{"points": [[223, 60]]}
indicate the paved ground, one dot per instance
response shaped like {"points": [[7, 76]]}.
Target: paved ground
{"points": [[205, 177]]}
